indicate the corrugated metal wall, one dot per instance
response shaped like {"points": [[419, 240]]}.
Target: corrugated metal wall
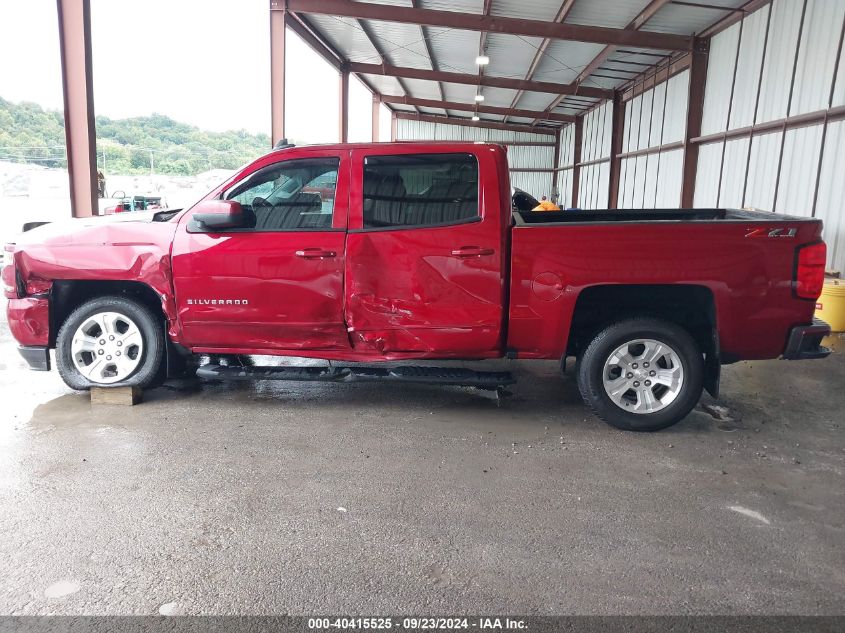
{"points": [[595, 149], [537, 183], [653, 120], [566, 162], [778, 62]]}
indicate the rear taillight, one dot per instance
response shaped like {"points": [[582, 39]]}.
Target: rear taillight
{"points": [[809, 270], [9, 285]]}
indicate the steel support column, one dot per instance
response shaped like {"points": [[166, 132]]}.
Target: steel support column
{"points": [[616, 133], [695, 110], [375, 123], [343, 103], [278, 26], [556, 159], [78, 87], [576, 159]]}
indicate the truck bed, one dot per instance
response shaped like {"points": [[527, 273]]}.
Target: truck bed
{"points": [[744, 260], [522, 218]]}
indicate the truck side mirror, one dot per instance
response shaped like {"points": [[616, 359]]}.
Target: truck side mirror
{"points": [[211, 215]]}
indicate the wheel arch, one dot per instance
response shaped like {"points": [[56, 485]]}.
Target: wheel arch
{"points": [[690, 306], [66, 295]]}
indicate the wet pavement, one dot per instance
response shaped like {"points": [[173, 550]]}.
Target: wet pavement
{"points": [[374, 498]]}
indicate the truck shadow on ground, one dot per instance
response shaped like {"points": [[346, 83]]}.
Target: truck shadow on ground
{"points": [[538, 397]]}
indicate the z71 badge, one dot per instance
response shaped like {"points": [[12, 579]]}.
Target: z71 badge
{"points": [[779, 232]]}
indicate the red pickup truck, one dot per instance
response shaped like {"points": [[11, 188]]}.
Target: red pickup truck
{"points": [[414, 251]]}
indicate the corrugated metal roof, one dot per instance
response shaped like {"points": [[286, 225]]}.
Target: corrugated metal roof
{"points": [[345, 36], [454, 50], [510, 55], [564, 60], [385, 85], [402, 44], [614, 14], [675, 18], [423, 89], [497, 96], [534, 10], [461, 6]]}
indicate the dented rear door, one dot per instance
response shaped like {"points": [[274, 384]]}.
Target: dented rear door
{"points": [[424, 256]]}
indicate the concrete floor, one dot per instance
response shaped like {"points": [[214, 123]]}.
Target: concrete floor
{"points": [[298, 498]]}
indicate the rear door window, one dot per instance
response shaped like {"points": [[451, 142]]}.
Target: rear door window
{"points": [[420, 190]]}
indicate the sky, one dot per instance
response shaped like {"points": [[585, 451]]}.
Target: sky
{"points": [[203, 62]]}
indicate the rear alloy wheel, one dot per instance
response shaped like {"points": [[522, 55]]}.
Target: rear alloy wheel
{"points": [[641, 374], [110, 341]]}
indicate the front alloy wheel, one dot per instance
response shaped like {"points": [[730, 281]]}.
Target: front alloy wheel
{"points": [[111, 341], [107, 347]]}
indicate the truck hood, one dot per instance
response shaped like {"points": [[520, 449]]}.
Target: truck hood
{"points": [[119, 228]]}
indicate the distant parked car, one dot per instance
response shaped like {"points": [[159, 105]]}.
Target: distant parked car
{"points": [[142, 202]]}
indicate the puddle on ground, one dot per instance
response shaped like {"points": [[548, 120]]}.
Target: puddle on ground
{"points": [[61, 589]]}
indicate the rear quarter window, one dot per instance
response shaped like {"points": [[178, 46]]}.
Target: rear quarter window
{"points": [[420, 190]]}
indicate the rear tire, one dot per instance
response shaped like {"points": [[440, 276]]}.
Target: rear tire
{"points": [[641, 374], [110, 342]]}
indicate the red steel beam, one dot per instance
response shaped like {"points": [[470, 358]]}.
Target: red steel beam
{"points": [[472, 107], [491, 125], [278, 28], [343, 109], [472, 80], [633, 26], [576, 159], [375, 118], [556, 160], [616, 134], [495, 24], [695, 111], [78, 89]]}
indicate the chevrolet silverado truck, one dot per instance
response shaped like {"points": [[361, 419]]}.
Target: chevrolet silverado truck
{"points": [[406, 252]]}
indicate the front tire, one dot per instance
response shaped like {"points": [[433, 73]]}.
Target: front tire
{"points": [[641, 374], [110, 341]]}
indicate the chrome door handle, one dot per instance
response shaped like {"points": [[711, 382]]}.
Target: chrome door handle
{"points": [[315, 253], [471, 251]]}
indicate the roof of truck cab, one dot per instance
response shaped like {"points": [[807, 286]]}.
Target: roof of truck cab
{"points": [[350, 146]]}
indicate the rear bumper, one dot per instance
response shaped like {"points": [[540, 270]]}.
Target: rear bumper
{"points": [[805, 341], [38, 358]]}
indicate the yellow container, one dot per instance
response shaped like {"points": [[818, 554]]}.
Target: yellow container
{"points": [[830, 306]]}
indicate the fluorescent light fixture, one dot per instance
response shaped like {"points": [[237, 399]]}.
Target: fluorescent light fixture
{"points": [[482, 60], [475, 117], [479, 98]]}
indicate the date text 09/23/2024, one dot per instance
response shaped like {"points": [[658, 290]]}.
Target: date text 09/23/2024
{"points": [[417, 623]]}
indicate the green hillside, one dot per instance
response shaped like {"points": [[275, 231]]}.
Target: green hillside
{"points": [[30, 134]]}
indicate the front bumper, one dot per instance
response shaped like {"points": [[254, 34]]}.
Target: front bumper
{"points": [[805, 341], [38, 358]]}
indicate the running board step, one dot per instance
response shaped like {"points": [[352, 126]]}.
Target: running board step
{"points": [[426, 375]]}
